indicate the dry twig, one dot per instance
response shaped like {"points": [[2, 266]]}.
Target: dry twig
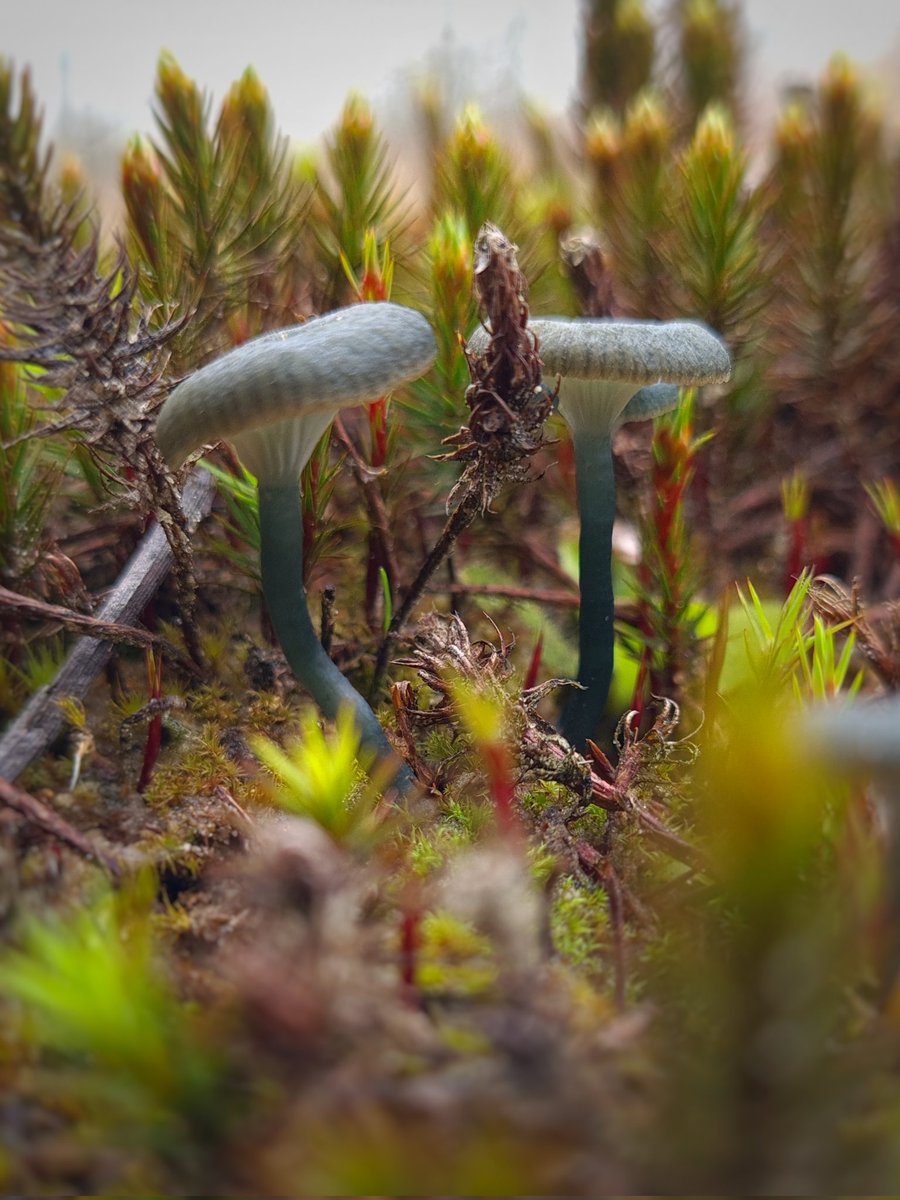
{"points": [[42, 718], [45, 818]]}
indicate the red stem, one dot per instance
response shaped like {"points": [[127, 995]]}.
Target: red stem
{"points": [[502, 787], [534, 666], [154, 729]]}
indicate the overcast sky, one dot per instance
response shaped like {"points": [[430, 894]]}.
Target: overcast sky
{"points": [[101, 54]]}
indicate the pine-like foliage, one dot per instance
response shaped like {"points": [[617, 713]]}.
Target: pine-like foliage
{"points": [[74, 318], [631, 163], [474, 176], [215, 214], [355, 194], [619, 47], [710, 56]]}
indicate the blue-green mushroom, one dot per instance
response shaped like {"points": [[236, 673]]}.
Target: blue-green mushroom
{"points": [[273, 398], [611, 371]]}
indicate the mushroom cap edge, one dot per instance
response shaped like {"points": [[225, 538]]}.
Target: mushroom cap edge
{"points": [[681, 352], [348, 356]]}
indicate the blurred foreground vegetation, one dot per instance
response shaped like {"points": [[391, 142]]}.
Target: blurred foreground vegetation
{"points": [[674, 967]]}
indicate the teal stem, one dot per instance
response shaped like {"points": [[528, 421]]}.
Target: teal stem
{"points": [[281, 558], [583, 710]]}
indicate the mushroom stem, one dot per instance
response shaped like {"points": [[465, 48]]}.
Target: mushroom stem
{"points": [[281, 560], [596, 486]]}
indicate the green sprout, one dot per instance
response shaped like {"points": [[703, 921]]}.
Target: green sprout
{"points": [[91, 990], [322, 777]]}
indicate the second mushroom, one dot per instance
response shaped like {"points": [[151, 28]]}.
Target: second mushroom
{"points": [[611, 371]]}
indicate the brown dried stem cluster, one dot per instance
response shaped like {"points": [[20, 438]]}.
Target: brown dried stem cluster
{"points": [[78, 321], [507, 401], [508, 404]]}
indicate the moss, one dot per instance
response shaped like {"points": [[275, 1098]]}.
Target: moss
{"points": [[424, 854], [453, 957], [468, 818], [543, 794], [579, 923], [542, 862], [200, 765]]}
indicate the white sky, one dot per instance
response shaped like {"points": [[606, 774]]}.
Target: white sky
{"points": [[309, 53]]}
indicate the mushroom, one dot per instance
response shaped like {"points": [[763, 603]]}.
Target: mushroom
{"points": [[273, 398], [858, 736], [861, 739], [612, 371]]}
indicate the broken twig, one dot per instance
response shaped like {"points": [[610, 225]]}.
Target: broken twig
{"points": [[51, 822], [43, 719]]}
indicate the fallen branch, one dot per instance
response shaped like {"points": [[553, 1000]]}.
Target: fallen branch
{"points": [[42, 719], [51, 822], [95, 627]]}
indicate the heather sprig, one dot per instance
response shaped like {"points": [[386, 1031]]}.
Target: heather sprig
{"points": [[473, 176], [826, 215], [716, 251], [710, 61], [433, 405], [24, 162], [373, 285]]}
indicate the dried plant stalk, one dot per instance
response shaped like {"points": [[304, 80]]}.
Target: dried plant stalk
{"points": [[508, 405]]}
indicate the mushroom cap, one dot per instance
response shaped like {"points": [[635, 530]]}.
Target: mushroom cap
{"points": [[651, 401], [605, 363], [682, 352], [861, 736], [349, 356]]}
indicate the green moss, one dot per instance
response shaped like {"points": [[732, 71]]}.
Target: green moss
{"points": [[441, 744], [195, 768], [542, 862], [579, 923], [543, 794], [468, 817], [424, 855], [453, 956]]}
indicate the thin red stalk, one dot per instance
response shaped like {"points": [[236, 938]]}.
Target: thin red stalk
{"points": [[154, 729], [378, 428], [639, 696], [501, 784], [410, 940], [796, 559], [534, 666], [310, 523]]}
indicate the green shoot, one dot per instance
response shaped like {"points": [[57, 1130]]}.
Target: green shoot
{"points": [[885, 497], [28, 480], [387, 602], [772, 649], [322, 777], [92, 991], [825, 672]]}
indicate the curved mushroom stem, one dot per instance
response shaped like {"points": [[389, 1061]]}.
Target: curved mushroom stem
{"points": [[281, 557], [596, 485]]}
